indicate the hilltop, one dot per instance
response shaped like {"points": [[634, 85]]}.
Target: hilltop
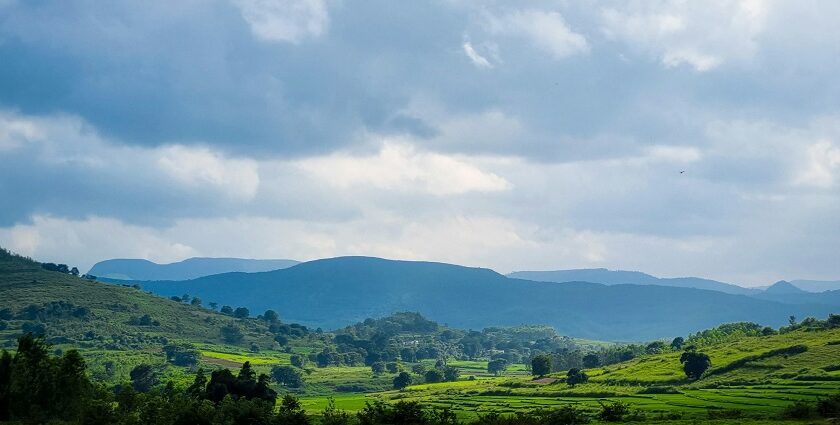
{"points": [[191, 268], [333, 293], [622, 277]]}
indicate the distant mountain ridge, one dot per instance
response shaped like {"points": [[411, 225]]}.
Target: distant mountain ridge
{"points": [[333, 293], [191, 268], [816, 285], [620, 277]]}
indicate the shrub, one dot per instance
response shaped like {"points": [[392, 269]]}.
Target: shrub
{"points": [[566, 415], [830, 407], [613, 412], [232, 334], [798, 410], [725, 414], [659, 390]]}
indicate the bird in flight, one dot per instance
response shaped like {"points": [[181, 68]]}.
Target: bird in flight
{"points": [[682, 172]]}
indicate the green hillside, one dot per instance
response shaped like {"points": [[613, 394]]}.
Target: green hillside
{"points": [[117, 327], [751, 377]]}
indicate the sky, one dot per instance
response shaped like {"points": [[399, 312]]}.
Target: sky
{"points": [[672, 137]]}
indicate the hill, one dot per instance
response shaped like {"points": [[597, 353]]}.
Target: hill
{"points": [[120, 325], [619, 277], [336, 292], [817, 285], [783, 288], [191, 268]]}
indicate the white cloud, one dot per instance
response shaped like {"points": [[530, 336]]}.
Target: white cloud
{"points": [[79, 242], [16, 131], [401, 167], [822, 162], [475, 57], [703, 35], [201, 167], [285, 20], [547, 31]]}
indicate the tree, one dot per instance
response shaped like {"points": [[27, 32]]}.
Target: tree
{"points": [[418, 369], [181, 354], [74, 271], [695, 364], [377, 367], [241, 313], [402, 380], [196, 302], [392, 367], [497, 366], [408, 355], [792, 320], [434, 376], [541, 365], [576, 376], [297, 360], [591, 360], [287, 375], [655, 347], [270, 316], [213, 305], [143, 378], [451, 373], [677, 343], [226, 309], [232, 334], [281, 340]]}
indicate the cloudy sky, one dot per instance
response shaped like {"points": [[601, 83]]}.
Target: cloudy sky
{"points": [[512, 135]]}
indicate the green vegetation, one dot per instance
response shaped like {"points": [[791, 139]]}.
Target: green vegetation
{"points": [[133, 353]]}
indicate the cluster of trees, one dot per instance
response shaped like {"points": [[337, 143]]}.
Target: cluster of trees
{"points": [[61, 268], [810, 323]]}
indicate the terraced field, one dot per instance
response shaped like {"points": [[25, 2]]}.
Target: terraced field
{"points": [[759, 388]]}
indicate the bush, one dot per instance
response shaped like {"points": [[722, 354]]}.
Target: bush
{"points": [[613, 412], [232, 334], [566, 415], [798, 410], [659, 390], [725, 414], [829, 408]]}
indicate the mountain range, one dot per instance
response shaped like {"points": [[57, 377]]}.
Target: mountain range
{"points": [[332, 293], [619, 277], [191, 268]]}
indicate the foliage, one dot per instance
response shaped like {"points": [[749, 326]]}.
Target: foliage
{"points": [[287, 375], [613, 412], [576, 376], [695, 364], [496, 367], [402, 380], [541, 365]]}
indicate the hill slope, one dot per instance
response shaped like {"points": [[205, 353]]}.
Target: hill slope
{"points": [[80, 312], [618, 277], [191, 268], [337, 292]]}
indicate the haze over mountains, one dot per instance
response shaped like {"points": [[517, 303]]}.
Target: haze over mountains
{"points": [[331, 293], [617, 277], [191, 268]]}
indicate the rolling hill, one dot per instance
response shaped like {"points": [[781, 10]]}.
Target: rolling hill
{"points": [[620, 277], [80, 312], [336, 292], [191, 268]]}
